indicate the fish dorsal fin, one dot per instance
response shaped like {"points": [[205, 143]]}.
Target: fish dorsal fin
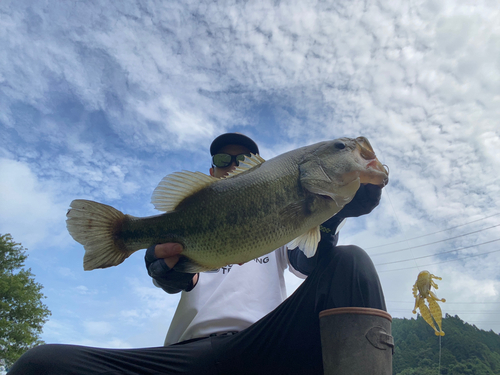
{"points": [[308, 242], [247, 164], [175, 187]]}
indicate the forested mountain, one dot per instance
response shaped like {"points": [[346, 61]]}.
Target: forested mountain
{"points": [[465, 349]]}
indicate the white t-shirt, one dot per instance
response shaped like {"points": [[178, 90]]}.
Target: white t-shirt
{"points": [[231, 298]]}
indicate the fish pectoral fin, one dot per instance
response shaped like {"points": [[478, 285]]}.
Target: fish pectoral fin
{"points": [[175, 187], [307, 242], [291, 210], [247, 164]]}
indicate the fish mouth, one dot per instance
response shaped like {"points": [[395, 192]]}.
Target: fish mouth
{"points": [[378, 173]]}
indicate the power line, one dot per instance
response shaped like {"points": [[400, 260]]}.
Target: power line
{"points": [[447, 302], [457, 312], [445, 261], [442, 252], [430, 234], [432, 243]]}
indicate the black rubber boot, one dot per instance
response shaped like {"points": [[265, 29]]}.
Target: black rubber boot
{"points": [[356, 341]]}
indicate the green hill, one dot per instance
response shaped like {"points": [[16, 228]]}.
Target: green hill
{"points": [[465, 349]]}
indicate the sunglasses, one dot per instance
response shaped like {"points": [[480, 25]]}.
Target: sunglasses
{"points": [[225, 160]]}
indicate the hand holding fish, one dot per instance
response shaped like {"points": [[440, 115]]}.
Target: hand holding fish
{"points": [[160, 261], [169, 252]]}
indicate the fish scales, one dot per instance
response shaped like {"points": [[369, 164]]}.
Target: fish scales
{"points": [[239, 218], [207, 224]]}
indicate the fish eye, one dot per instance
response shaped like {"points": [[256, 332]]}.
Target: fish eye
{"points": [[339, 145]]}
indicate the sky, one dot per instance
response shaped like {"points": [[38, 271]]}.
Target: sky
{"points": [[101, 100]]}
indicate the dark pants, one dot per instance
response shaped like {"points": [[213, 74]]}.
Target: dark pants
{"points": [[286, 341]]}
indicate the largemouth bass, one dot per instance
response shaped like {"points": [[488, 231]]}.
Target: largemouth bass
{"points": [[257, 208]]}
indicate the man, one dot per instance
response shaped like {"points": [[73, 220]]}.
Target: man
{"points": [[236, 320]]}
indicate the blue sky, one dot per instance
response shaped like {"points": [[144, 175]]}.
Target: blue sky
{"points": [[101, 101]]}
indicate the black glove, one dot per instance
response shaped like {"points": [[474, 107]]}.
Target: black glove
{"points": [[366, 199], [165, 277]]}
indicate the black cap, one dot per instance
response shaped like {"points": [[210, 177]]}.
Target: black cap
{"points": [[233, 139]]}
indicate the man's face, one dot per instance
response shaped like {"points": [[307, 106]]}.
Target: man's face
{"points": [[231, 150]]}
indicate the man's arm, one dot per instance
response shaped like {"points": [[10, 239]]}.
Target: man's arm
{"points": [[160, 260], [366, 199]]}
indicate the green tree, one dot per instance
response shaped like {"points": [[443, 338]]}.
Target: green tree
{"points": [[22, 313], [465, 349]]}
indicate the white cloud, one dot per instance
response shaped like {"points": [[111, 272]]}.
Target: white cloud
{"points": [[29, 209], [66, 272], [98, 328], [154, 301], [99, 104], [84, 290], [61, 331]]}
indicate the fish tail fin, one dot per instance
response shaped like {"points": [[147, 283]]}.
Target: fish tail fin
{"points": [[95, 226]]}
